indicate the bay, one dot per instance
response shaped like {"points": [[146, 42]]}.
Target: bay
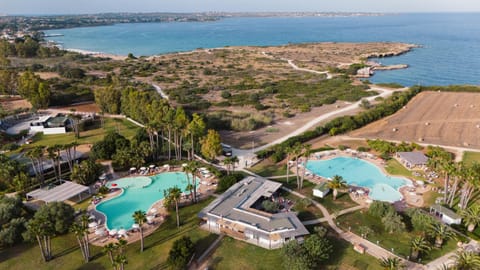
{"points": [[449, 52]]}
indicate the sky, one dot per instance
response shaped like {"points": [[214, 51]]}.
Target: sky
{"points": [[98, 6]]}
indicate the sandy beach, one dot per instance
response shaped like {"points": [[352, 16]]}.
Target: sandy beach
{"points": [[98, 54]]}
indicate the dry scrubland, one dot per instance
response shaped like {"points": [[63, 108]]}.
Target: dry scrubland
{"points": [[441, 118]]}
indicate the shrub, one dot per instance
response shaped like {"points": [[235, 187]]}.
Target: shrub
{"points": [[227, 181], [380, 209]]}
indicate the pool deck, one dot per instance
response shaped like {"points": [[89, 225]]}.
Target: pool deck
{"points": [[206, 187], [412, 196]]}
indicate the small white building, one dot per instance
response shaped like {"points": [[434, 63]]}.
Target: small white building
{"points": [[446, 215], [412, 160], [321, 190]]}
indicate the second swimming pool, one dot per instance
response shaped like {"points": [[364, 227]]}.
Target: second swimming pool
{"points": [[139, 193], [358, 172]]}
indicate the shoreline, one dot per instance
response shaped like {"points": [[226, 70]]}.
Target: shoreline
{"points": [[96, 54]]}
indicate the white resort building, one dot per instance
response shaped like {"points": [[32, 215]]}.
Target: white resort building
{"points": [[412, 160], [237, 213]]}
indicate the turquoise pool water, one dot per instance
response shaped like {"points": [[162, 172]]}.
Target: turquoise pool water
{"points": [[139, 193], [361, 173]]}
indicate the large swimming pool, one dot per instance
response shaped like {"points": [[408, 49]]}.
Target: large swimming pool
{"points": [[139, 193], [358, 172]]}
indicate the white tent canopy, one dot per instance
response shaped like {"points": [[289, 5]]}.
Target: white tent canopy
{"points": [[59, 193]]}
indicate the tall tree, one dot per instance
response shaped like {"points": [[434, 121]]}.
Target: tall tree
{"points": [[140, 217], [172, 197], [191, 170], [181, 252], [196, 129], [211, 145], [393, 222], [307, 151]]}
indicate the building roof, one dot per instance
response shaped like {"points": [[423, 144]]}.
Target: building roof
{"points": [[322, 187], [59, 193], [414, 158], [234, 206], [445, 211]]}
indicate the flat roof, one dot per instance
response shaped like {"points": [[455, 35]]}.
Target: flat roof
{"points": [[445, 211], [415, 158], [235, 206], [59, 193]]}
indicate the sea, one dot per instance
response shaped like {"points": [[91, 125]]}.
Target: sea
{"points": [[449, 52]]}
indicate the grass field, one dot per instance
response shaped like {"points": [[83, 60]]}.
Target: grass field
{"points": [[394, 167], [400, 242], [157, 245], [268, 168], [471, 157], [234, 254], [124, 127]]}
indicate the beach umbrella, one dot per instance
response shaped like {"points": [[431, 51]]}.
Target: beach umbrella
{"points": [[420, 182], [153, 210], [114, 185], [360, 191], [113, 232], [184, 165], [150, 219], [152, 166], [100, 231], [91, 217], [135, 226], [92, 224], [122, 232], [143, 168]]}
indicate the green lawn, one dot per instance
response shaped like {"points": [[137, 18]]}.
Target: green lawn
{"points": [[268, 168], [234, 254], [343, 201], [471, 157], [68, 256], [124, 127], [400, 242], [394, 167]]}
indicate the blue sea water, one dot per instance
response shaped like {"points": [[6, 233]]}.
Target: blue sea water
{"points": [[357, 172], [450, 52], [139, 193]]}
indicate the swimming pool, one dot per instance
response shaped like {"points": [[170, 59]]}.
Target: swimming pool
{"points": [[358, 172], [139, 193]]}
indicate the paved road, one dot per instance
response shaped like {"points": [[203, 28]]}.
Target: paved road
{"points": [[290, 62]]}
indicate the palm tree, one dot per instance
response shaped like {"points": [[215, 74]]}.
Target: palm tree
{"points": [[234, 161], [392, 263], [289, 152], [440, 232], [172, 196], [306, 153], [335, 184], [227, 162], [192, 169], [109, 249], [466, 260], [419, 245], [471, 216], [393, 222], [140, 217], [75, 122], [80, 232], [120, 261]]}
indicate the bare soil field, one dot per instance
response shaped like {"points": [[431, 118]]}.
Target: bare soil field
{"points": [[90, 107], [443, 118], [10, 104]]}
